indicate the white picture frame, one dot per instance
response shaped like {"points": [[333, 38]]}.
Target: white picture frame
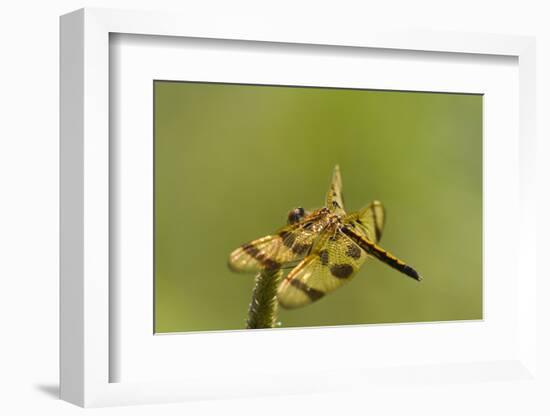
{"points": [[86, 166]]}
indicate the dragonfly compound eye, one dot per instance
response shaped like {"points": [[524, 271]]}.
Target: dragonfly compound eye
{"points": [[295, 215]]}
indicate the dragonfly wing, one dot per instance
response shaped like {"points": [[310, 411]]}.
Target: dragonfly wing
{"points": [[256, 255], [332, 263], [290, 244], [335, 198], [369, 221]]}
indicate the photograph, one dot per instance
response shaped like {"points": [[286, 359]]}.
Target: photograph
{"points": [[285, 206]]}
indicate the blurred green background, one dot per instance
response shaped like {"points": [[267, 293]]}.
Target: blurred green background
{"points": [[232, 160]]}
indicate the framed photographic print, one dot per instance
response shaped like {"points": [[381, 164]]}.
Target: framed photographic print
{"points": [[279, 132], [238, 206]]}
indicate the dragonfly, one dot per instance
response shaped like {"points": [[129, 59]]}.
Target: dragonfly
{"points": [[321, 249]]}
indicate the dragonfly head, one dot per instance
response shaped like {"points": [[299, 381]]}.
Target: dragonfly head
{"points": [[296, 215]]}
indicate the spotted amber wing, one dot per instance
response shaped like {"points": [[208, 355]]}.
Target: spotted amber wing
{"points": [[332, 263], [291, 244], [335, 198], [368, 221]]}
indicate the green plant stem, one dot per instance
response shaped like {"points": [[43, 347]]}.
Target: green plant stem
{"points": [[262, 312]]}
